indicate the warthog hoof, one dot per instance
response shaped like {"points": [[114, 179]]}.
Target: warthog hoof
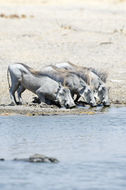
{"points": [[93, 105], [106, 104]]}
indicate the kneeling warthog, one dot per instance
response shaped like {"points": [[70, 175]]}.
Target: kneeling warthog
{"points": [[23, 77], [74, 82], [95, 80]]}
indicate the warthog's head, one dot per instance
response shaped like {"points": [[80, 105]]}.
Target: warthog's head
{"points": [[87, 95], [64, 97], [101, 94]]}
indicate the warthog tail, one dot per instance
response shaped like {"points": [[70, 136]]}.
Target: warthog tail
{"points": [[8, 78]]}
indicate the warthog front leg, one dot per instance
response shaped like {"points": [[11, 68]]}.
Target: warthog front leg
{"points": [[76, 98], [40, 95]]}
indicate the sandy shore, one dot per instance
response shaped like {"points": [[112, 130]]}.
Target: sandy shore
{"points": [[88, 33], [35, 111]]}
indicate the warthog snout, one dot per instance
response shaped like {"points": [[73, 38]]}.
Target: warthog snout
{"points": [[72, 105], [106, 103], [93, 104]]}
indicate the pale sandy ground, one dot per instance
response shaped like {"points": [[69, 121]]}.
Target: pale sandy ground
{"points": [[88, 33]]}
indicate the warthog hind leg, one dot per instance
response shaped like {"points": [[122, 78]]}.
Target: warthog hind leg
{"points": [[20, 90], [13, 89]]}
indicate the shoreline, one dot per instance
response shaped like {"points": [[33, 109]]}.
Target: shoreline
{"points": [[6, 110], [38, 111]]}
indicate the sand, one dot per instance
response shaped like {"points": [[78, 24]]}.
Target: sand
{"points": [[85, 32]]}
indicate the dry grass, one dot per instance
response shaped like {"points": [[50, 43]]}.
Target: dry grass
{"points": [[14, 16], [56, 2]]}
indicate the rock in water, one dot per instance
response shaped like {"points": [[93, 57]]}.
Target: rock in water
{"points": [[2, 159], [38, 158], [42, 158]]}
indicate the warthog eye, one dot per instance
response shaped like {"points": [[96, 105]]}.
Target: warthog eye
{"points": [[88, 91], [81, 91]]}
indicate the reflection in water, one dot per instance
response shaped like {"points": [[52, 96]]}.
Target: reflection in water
{"points": [[91, 150]]}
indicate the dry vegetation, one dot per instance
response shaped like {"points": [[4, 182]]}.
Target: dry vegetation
{"points": [[15, 16]]}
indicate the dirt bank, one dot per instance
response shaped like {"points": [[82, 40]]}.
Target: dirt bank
{"points": [[89, 33], [34, 110]]}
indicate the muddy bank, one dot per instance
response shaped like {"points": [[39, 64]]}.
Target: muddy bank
{"points": [[37, 110], [34, 110]]}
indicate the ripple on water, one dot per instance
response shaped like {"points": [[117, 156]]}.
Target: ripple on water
{"points": [[91, 150]]}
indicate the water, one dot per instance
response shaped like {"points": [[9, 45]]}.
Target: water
{"points": [[91, 150]]}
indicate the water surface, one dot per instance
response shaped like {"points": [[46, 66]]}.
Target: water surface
{"points": [[91, 150]]}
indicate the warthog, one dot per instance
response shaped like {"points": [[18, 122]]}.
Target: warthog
{"points": [[96, 80], [74, 82], [47, 89]]}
